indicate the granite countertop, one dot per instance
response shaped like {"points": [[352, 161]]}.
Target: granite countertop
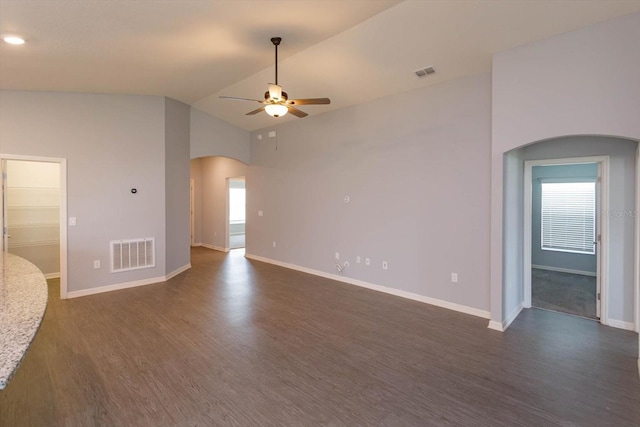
{"points": [[23, 300]]}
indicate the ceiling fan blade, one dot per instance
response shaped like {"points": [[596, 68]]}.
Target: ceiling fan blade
{"points": [[311, 101], [251, 113], [235, 98], [296, 112]]}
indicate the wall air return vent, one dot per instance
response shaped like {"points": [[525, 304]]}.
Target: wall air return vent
{"points": [[425, 71], [132, 254]]}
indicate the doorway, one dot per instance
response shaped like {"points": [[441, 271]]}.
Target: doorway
{"points": [[564, 234], [236, 213], [34, 213]]}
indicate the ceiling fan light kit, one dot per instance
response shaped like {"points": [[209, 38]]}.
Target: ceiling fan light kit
{"points": [[276, 110], [276, 102]]}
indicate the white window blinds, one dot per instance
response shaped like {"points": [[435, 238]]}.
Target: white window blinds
{"points": [[569, 216]]}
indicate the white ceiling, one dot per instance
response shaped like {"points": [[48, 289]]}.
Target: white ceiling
{"points": [[351, 51]]}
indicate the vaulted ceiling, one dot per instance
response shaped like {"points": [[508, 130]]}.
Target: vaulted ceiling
{"points": [[351, 51]]}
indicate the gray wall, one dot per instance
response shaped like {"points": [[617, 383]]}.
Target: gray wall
{"points": [[112, 143], [573, 261], [549, 89], [621, 199], [177, 173], [196, 175], [211, 136], [416, 169], [211, 197]]}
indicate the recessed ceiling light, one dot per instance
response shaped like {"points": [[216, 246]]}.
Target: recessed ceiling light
{"points": [[13, 40]]}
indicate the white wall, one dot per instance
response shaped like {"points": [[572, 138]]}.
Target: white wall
{"points": [[211, 136], [416, 169], [585, 82], [112, 143], [33, 196], [210, 175]]}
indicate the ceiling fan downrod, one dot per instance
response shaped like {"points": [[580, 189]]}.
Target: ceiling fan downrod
{"points": [[276, 41]]}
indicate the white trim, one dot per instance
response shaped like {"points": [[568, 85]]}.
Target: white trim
{"points": [[496, 326], [127, 285], [564, 270], [195, 245], [215, 248], [52, 276], [63, 210], [116, 287], [636, 275], [409, 295], [603, 222], [501, 327], [621, 324], [177, 271], [192, 209]]}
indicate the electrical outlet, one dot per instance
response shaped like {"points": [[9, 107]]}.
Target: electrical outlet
{"points": [[454, 277], [274, 243], [337, 255], [96, 263], [385, 265], [358, 259], [367, 261]]}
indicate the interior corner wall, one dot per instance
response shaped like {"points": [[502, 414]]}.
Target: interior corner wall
{"points": [[214, 172], [584, 82], [177, 171], [196, 176], [416, 169], [112, 143], [513, 230], [211, 136]]}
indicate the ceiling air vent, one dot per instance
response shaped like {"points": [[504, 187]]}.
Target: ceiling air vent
{"points": [[425, 71], [132, 254]]}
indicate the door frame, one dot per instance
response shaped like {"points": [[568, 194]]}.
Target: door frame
{"points": [[602, 226], [636, 275], [63, 210], [191, 211]]}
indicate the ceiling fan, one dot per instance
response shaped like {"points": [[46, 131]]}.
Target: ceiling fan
{"points": [[276, 101]]}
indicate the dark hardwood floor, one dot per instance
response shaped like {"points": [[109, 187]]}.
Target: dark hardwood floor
{"points": [[239, 342]]}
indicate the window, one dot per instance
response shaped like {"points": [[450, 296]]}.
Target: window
{"points": [[237, 202], [569, 216]]}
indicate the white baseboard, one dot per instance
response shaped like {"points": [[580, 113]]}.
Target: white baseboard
{"points": [[409, 295], [512, 316], [195, 245], [215, 248], [126, 285], [52, 276], [177, 271], [495, 325], [564, 270], [502, 326], [629, 326]]}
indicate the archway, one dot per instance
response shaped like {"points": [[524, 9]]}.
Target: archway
{"points": [[623, 263]]}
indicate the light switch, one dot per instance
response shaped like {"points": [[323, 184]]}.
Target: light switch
{"points": [[72, 221], [260, 213]]}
